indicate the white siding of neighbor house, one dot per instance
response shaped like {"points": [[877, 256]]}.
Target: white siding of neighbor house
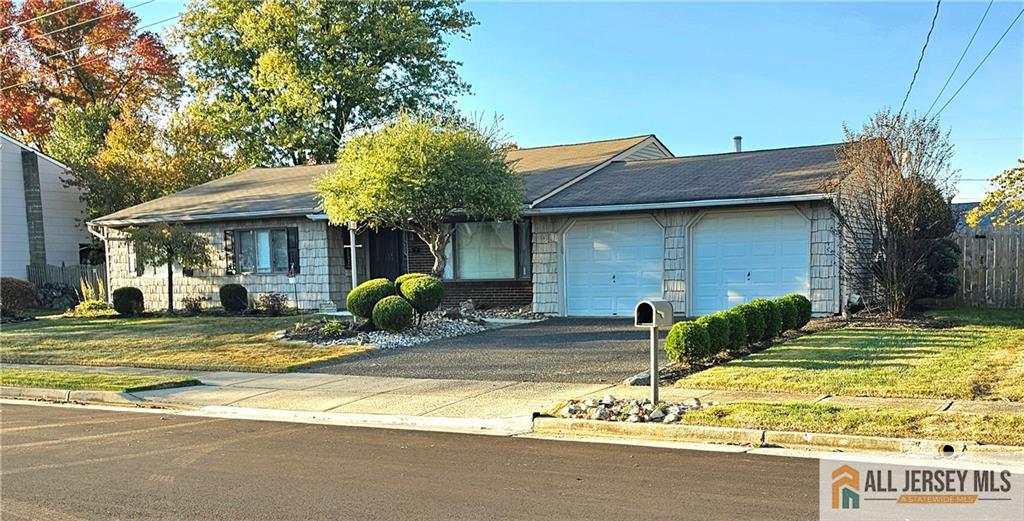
{"points": [[63, 213], [322, 275], [547, 258], [648, 151]]}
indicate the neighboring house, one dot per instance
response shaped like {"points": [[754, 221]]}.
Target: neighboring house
{"points": [[604, 225], [42, 220]]}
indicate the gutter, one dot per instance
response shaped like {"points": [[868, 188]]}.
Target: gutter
{"points": [[206, 217], [612, 208]]}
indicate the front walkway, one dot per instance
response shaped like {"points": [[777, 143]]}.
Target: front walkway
{"points": [[456, 398]]}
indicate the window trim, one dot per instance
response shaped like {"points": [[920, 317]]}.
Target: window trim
{"points": [[236, 243], [517, 267]]}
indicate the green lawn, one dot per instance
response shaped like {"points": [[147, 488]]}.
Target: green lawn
{"points": [[240, 343], [1001, 429], [80, 380], [981, 358]]}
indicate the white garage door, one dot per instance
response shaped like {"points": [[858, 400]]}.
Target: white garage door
{"points": [[612, 264], [740, 256]]}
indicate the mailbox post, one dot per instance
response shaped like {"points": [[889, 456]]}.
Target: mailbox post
{"points": [[653, 314]]}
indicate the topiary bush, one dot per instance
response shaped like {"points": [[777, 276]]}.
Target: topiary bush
{"points": [[787, 313], [392, 314], [424, 293], [803, 309], [16, 295], [772, 317], [128, 301], [754, 319], [737, 329], [234, 297], [361, 300], [718, 331], [408, 276], [688, 342]]}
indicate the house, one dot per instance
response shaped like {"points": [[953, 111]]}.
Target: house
{"points": [[42, 220], [604, 225]]}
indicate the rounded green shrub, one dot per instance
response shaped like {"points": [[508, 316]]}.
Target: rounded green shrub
{"points": [[16, 295], [787, 313], [772, 317], [754, 319], [737, 329], [364, 297], [687, 342], [408, 276], [424, 293], [392, 314], [234, 297], [946, 285], [128, 301], [803, 309], [718, 331]]}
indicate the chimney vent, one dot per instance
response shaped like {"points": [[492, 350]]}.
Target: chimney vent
{"points": [[737, 143]]}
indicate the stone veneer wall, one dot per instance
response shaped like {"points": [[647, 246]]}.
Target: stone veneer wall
{"points": [[547, 263], [322, 275]]}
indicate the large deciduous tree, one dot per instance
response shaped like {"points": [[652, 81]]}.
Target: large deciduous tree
{"points": [[417, 173], [893, 194], [289, 79], [1005, 202], [85, 54], [166, 244]]}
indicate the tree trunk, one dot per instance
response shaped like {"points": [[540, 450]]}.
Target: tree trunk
{"points": [[437, 244]]}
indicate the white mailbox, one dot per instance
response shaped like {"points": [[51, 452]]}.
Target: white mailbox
{"points": [[653, 313]]}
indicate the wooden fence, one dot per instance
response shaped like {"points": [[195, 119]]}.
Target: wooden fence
{"points": [[71, 275], [992, 274]]}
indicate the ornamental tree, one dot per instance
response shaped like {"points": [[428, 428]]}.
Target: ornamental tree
{"points": [[416, 174], [165, 244], [290, 79], [1005, 202]]}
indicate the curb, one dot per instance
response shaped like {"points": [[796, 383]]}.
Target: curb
{"points": [[65, 396], [567, 427]]}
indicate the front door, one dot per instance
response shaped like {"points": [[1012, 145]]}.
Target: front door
{"points": [[385, 254]]}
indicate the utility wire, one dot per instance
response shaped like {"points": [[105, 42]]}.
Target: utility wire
{"points": [[85, 62], [54, 55], [920, 59], [982, 62], [83, 22], [40, 17], [962, 55]]}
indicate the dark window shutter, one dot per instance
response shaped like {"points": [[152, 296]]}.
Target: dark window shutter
{"points": [[229, 252], [523, 242], [293, 249]]}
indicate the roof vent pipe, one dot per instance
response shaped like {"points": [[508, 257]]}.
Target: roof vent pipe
{"points": [[737, 143]]}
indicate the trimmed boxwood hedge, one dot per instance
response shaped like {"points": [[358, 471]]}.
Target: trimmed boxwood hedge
{"points": [[16, 295], [737, 328], [424, 292], [408, 276], [128, 301], [754, 319], [364, 297], [803, 309], [718, 331], [392, 314], [772, 317], [234, 297], [787, 312], [687, 342]]}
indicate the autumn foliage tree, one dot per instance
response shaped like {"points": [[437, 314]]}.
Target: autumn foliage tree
{"points": [[1004, 204], [77, 54]]}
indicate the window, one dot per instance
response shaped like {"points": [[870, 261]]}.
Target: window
{"points": [[488, 251], [264, 250]]}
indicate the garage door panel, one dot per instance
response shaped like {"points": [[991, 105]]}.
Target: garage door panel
{"points": [[740, 256], [611, 264]]}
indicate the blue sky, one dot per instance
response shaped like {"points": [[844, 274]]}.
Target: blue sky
{"points": [[779, 74]]}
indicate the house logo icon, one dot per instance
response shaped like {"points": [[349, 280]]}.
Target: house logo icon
{"points": [[845, 488]]}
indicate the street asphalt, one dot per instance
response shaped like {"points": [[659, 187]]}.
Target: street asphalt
{"points": [[556, 350], [63, 463]]}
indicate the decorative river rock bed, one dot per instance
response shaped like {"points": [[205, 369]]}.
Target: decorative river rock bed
{"points": [[613, 409]]}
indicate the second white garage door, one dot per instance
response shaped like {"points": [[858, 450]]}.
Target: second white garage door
{"points": [[743, 255], [612, 264]]}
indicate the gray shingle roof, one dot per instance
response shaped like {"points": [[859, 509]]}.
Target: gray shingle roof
{"points": [[760, 173], [547, 168]]}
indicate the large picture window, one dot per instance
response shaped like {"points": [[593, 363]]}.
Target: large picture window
{"points": [[264, 250], [488, 251]]}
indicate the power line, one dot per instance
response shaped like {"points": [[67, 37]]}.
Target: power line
{"points": [[54, 55], [40, 17], [982, 62], [962, 55], [83, 22], [94, 58], [920, 59]]}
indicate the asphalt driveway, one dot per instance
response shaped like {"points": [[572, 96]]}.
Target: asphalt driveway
{"points": [[555, 350]]}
